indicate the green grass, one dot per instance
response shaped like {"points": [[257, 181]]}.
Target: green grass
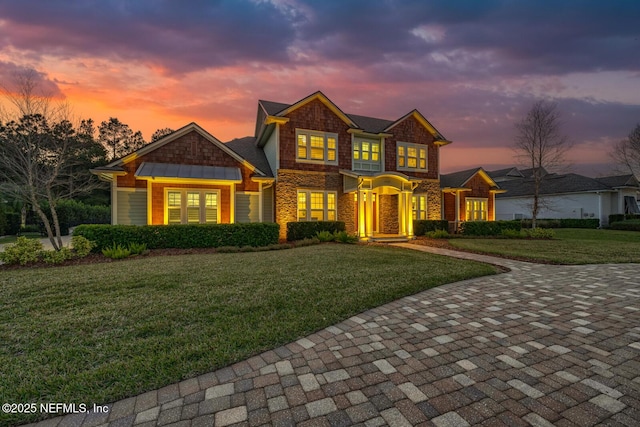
{"points": [[12, 239], [570, 246], [102, 332]]}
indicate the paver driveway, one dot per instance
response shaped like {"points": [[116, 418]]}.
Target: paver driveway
{"points": [[541, 345]]}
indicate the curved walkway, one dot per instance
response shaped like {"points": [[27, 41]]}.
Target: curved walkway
{"points": [[540, 345]]}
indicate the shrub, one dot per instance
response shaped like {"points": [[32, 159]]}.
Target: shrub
{"points": [[29, 228], [541, 222], [181, 236], [344, 237], [137, 248], [81, 246], [307, 229], [489, 228], [621, 217], [579, 223], [510, 233], [23, 251], [305, 242], [56, 257], [540, 233], [422, 226], [73, 212], [325, 236], [9, 223], [116, 251], [438, 234], [629, 225]]}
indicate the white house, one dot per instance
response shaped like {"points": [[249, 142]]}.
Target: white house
{"points": [[565, 195]]}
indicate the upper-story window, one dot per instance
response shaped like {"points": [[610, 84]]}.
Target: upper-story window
{"points": [[316, 147], [412, 157], [367, 155]]}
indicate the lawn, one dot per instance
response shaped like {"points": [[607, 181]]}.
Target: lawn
{"points": [[570, 246], [98, 333]]}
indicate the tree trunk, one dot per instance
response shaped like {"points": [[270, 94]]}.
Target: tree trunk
{"points": [[56, 223], [47, 226]]}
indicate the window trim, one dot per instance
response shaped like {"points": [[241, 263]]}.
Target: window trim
{"points": [[183, 204], [418, 147], [415, 213], [325, 204], [485, 211], [325, 135], [380, 163]]}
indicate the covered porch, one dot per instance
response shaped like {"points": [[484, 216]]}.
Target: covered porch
{"points": [[382, 205]]}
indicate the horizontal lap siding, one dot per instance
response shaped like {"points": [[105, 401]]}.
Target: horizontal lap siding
{"points": [[247, 207], [132, 207], [267, 202]]}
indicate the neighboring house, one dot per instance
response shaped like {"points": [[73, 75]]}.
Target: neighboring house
{"points": [[308, 161], [468, 195], [565, 195]]}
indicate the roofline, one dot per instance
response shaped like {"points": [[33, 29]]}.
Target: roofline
{"points": [[562, 194], [441, 140], [354, 174], [360, 132], [193, 126], [325, 100]]}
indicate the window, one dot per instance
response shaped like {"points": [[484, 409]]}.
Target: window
{"points": [[316, 205], [367, 155], [419, 206], [192, 207], [412, 156], [316, 147], [476, 209]]}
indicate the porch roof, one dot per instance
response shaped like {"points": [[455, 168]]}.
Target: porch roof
{"points": [[367, 174], [172, 170]]}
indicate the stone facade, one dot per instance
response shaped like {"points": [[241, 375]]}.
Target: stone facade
{"points": [[388, 213], [432, 189]]}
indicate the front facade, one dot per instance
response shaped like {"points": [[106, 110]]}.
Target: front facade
{"points": [[565, 195], [307, 161]]}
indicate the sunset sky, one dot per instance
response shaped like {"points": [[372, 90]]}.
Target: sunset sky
{"points": [[473, 68]]}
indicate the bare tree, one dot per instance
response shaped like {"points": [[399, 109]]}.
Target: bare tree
{"points": [[541, 146], [627, 152], [38, 150]]}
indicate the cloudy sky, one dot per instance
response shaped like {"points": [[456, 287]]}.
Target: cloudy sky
{"points": [[473, 68]]}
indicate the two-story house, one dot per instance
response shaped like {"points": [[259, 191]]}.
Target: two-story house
{"points": [[308, 161]]}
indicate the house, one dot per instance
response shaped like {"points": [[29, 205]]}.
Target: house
{"points": [[469, 195], [565, 195], [307, 161]]}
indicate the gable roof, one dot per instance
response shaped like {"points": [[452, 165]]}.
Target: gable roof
{"points": [[619, 181], [365, 123], [191, 127], [459, 179], [553, 184], [247, 148], [507, 172]]}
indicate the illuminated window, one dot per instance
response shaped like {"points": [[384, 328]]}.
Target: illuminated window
{"points": [[419, 206], [316, 205], [476, 209], [191, 206], [366, 155], [316, 147], [412, 156]]}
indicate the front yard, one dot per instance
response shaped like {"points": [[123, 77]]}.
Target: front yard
{"points": [[570, 246], [99, 333]]}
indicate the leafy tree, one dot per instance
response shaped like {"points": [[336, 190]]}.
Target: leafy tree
{"points": [[118, 138], [161, 133], [627, 152], [541, 146]]}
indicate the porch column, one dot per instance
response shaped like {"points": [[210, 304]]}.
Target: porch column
{"points": [[409, 214], [402, 213], [369, 215], [361, 219]]}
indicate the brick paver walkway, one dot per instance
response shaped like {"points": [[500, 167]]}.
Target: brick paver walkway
{"points": [[541, 345]]}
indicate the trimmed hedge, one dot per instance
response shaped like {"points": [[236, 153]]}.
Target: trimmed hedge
{"points": [[628, 225], [180, 236], [9, 223], [563, 223], [308, 229], [424, 226], [621, 217], [489, 228], [74, 213]]}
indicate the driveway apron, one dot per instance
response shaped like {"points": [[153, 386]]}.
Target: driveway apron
{"points": [[539, 345]]}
